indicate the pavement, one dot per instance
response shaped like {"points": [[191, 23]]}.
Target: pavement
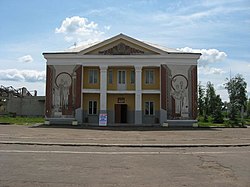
{"points": [[64, 135], [71, 156]]}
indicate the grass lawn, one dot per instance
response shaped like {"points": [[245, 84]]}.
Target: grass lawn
{"points": [[21, 120], [247, 121], [209, 124]]}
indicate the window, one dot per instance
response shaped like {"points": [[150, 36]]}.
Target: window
{"points": [[121, 77], [132, 77], [149, 108], [92, 107], [110, 76], [93, 76], [149, 77]]}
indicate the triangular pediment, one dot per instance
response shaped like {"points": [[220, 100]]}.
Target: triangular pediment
{"points": [[121, 45], [121, 49]]}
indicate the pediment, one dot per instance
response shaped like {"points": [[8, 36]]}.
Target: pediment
{"points": [[121, 49], [121, 45]]}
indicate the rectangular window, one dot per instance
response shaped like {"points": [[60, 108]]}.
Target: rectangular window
{"points": [[149, 77], [92, 107], [149, 108], [132, 77], [93, 76], [121, 77], [110, 76]]}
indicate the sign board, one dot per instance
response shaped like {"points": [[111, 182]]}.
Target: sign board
{"points": [[103, 119], [121, 100]]}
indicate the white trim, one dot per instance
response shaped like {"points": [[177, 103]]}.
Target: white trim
{"points": [[121, 91], [103, 87], [90, 90], [121, 61], [138, 87], [77, 56], [81, 87], [151, 91]]}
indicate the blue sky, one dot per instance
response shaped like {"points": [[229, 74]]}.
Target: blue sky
{"points": [[220, 29]]}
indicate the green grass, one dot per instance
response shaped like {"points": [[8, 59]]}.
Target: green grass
{"points": [[21, 120], [247, 121], [210, 124]]}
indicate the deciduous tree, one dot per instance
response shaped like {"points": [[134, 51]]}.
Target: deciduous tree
{"points": [[237, 92]]}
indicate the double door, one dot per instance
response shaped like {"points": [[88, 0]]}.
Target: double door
{"points": [[121, 113]]}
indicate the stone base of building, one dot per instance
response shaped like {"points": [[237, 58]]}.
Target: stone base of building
{"points": [[60, 121], [180, 123]]}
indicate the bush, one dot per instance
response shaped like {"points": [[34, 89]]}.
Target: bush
{"points": [[235, 123]]}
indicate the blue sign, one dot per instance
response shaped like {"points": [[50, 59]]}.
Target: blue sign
{"points": [[103, 119]]}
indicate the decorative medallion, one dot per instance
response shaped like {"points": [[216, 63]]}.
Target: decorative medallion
{"points": [[121, 49]]}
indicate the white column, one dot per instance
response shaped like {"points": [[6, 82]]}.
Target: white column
{"points": [[138, 95], [103, 89]]}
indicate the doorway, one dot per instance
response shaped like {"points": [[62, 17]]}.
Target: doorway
{"points": [[121, 113]]}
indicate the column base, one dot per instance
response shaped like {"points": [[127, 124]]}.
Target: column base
{"points": [[138, 117]]}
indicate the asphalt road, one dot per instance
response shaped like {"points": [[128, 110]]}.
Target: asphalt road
{"points": [[29, 166]]}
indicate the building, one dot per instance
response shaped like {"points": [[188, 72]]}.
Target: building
{"points": [[131, 81], [20, 102]]}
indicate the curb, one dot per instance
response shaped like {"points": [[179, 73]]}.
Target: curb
{"points": [[124, 145]]}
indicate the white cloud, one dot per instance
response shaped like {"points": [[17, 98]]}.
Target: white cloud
{"points": [[208, 55], [210, 70], [26, 58], [22, 75], [78, 29], [107, 27]]}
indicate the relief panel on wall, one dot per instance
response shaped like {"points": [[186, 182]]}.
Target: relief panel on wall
{"points": [[179, 93]]}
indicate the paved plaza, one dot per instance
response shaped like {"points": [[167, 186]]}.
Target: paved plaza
{"points": [[124, 135], [65, 163]]}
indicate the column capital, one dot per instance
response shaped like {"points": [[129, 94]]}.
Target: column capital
{"points": [[138, 67], [103, 67]]}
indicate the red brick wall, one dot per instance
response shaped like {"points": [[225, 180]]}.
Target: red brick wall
{"points": [[48, 100], [194, 92]]}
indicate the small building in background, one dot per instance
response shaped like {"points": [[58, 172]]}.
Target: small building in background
{"points": [[21, 102]]}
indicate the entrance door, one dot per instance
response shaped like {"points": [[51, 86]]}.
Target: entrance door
{"points": [[121, 80], [121, 113]]}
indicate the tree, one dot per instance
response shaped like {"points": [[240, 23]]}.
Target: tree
{"points": [[217, 114], [237, 92], [248, 108], [201, 101], [210, 103], [210, 99]]}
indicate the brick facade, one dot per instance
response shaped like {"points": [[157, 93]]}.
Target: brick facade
{"points": [[48, 101], [194, 91]]}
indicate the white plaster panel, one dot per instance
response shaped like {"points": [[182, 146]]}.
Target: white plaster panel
{"points": [[180, 94]]}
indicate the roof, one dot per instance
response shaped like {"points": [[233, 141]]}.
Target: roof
{"points": [[91, 46]]}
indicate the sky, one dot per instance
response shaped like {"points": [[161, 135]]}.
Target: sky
{"points": [[219, 29]]}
